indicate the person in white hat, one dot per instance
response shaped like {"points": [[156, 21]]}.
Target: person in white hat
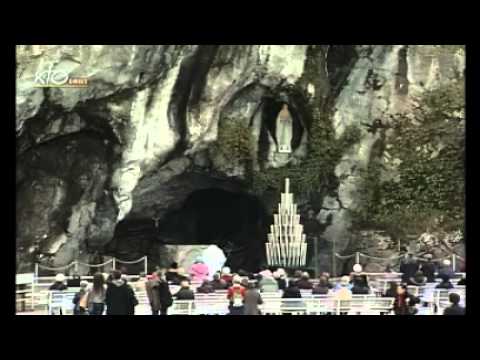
{"points": [[226, 275], [446, 270], [59, 283], [281, 278], [358, 277], [357, 268]]}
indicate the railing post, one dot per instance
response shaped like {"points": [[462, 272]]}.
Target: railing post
{"points": [[146, 265], [334, 260], [454, 263], [113, 264], [315, 244], [357, 257], [36, 270], [75, 266]]}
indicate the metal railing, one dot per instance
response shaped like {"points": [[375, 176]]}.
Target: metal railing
{"points": [[76, 263], [357, 255]]}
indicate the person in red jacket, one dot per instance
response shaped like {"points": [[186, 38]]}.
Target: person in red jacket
{"points": [[236, 295]]}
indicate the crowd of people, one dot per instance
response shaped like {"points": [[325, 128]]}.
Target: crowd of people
{"points": [[244, 290]]}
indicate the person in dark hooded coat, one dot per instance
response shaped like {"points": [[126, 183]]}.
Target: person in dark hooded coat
{"points": [[120, 297]]}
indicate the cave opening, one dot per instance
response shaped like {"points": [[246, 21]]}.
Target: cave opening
{"points": [[236, 222]]}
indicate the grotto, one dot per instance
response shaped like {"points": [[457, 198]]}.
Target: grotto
{"points": [[179, 144]]}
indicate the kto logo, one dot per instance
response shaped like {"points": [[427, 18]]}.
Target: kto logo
{"points": [[57, 78]]}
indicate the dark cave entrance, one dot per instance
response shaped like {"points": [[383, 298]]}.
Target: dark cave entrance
{"points": [[236, 222]]}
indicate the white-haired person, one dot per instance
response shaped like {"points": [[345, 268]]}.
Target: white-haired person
{"points": [[59, 283], [227, 275], [446, 269], [267, 283], [358, 278], [281, 278]]}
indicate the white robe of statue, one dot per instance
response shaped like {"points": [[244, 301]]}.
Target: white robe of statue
{"points": [[284, 130], [214, 258]]}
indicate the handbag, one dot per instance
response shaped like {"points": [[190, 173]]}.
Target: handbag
{"points": [[83, 301]]}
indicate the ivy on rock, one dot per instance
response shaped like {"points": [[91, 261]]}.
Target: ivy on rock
{"points": [[428, 187]]}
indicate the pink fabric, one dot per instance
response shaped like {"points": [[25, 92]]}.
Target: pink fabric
{"points": [[199, 272]]}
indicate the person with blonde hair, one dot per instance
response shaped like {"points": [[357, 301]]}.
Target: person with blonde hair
{"points": [[343, 292]]}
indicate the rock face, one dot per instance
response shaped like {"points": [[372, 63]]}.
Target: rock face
{"points": [[136, 142]]}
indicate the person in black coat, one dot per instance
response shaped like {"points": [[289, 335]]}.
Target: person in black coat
{"points": [[217, 283], [409, 268], [359, 286], [428, 268], [282, 283], [292, 291], [418, 280], [120, 297], [392, 290], [455, 308], [173, 274], [206, 288], [304, 283], [322, 287], [185, 293], [59, 284], [166, 299], [445, 284], [405, 302]]}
